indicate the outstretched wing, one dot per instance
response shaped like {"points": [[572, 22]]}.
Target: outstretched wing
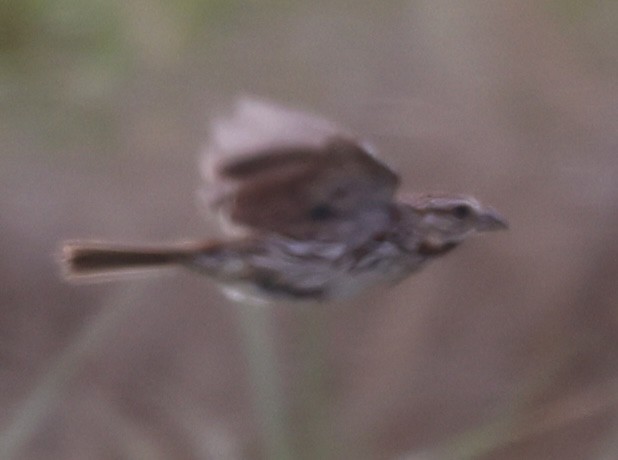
{"points": [[280, 171]]}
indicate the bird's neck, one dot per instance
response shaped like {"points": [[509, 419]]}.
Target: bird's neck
{"points": [[432, 248]]}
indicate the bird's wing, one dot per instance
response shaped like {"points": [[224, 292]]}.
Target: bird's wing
{"points": [[285, 172]]}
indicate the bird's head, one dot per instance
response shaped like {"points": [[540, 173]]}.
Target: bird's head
{"points": [[444, 221]]}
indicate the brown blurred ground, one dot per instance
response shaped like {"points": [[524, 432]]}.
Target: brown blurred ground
{"points": [[507, 349]]}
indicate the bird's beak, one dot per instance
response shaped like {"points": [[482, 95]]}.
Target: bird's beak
{"points": [[490, 220]]}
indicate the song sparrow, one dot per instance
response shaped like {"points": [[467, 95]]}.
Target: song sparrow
{"points": [[311, 213]]}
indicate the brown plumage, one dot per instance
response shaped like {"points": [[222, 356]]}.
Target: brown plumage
{"points": [[311, 214]]}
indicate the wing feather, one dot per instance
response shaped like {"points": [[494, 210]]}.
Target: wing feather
{"points": [[276, 170]]}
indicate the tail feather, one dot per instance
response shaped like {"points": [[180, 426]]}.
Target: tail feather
{"points": [[86, 260]]}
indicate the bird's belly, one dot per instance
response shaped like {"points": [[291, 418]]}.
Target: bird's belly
{"points": [[337, 286], [302, 273], [350, 283]]}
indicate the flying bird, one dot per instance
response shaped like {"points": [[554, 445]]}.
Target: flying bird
{"points": [[309, 212]]}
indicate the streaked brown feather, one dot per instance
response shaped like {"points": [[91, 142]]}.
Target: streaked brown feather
{"points": [[302, 190], [311, 192], [318, 209]]}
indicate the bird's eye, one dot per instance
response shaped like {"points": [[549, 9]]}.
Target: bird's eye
{"points": [[321, 212], [462, 211]]}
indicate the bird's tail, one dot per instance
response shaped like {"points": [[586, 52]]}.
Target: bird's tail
{"points": [[92, 261]]}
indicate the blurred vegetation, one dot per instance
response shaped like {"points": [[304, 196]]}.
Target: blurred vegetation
{"points": [[507, 347], [62, 63]]}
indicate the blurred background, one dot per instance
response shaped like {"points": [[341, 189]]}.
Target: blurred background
{"points": [[505, 349]]}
